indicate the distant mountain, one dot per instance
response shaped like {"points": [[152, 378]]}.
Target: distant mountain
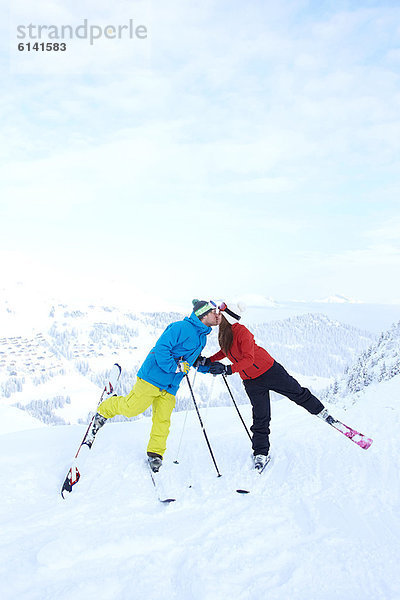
{"points": [[338, 299], [257, 300], [56, 375], [379, 362], [313, 344], [372, 317]]}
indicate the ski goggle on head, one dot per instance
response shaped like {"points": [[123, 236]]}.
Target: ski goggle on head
{"points": [[222, 307], [219, 306]]}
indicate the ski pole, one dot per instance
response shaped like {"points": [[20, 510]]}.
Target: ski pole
{"points": [[238, 411], [210, 395], [202, 426], [176, 461]]}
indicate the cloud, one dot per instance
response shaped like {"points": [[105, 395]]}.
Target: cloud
{"points": [[285, 115], [387, 232]]}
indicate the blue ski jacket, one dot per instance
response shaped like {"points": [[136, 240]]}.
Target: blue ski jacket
{"points": [[181, 340]]}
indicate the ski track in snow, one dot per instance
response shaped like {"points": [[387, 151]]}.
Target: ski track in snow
{"points": [[322, 522]]}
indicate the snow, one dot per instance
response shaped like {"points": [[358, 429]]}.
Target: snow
{"points": [[320, 523], [13, 419]]}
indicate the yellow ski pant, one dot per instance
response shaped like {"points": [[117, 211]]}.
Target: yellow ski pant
{"points": [[143, 395]]}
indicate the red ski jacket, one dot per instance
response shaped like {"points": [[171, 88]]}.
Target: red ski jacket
{"points": [[248, 359]]}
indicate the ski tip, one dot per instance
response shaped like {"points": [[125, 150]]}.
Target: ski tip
{"points": [[243, 491], [64, 493], [365, 444], [118, 367]]}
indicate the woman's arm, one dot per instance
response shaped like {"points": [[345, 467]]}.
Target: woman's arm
{"points": [[220, 354], [246, 354]]}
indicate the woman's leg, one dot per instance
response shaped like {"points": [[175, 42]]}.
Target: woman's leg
{"points": [[260, 402], [279, 380]]}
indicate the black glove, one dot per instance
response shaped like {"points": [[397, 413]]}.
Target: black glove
{"points": [[217, 368], [201, 361]]}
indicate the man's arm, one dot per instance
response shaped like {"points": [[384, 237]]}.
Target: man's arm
{"points": [[163, 349]]}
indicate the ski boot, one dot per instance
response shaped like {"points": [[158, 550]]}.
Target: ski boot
{"points": [[98, 422], [325, 416], [155, 461], [260, 461]]}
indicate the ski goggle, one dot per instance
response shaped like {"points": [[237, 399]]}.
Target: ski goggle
{"points": [[222, 307], [219, 306]]}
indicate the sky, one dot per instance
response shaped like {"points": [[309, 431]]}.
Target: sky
{"points": [[240, 148]]}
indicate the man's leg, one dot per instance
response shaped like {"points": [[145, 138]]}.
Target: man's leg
{"points": [[163, 405], [258, 393], [136, 402], [281, 382]]}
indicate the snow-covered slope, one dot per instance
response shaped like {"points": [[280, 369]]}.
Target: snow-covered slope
{"points": [[321, 524], [13, 419]]}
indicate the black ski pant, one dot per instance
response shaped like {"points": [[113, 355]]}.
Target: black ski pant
{"points": [[276, 379]]}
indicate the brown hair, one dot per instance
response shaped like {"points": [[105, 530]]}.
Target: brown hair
{"points": [[225, 335]]}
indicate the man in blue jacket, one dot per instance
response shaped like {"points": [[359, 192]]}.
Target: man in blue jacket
{"points": [[159, 377]]}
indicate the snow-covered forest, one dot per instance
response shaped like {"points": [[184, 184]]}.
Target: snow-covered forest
{"points": [[312, 344], [379, 362]]}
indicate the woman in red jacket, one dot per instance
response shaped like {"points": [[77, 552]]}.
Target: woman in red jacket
{"points": [[260, 374]]}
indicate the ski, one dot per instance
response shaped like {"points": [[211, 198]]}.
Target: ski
{"points": [[355, 436], [73, 474], [155, 478]]}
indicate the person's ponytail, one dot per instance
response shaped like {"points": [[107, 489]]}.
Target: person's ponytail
{"points": [[225, 335]]}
